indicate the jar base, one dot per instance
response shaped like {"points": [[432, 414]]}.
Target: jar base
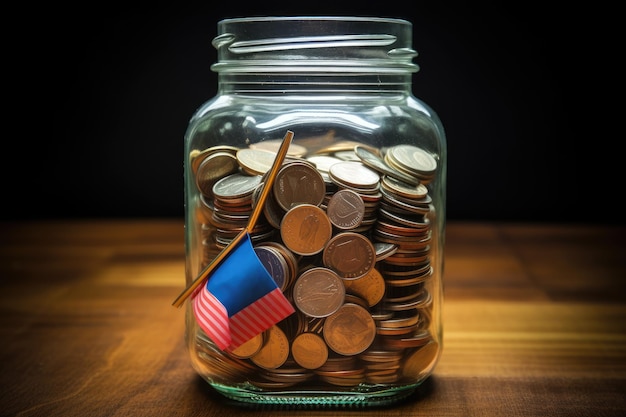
{"points": [[363, 396]]}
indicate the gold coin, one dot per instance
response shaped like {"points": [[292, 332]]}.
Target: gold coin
{"points": [[305, 229], [309, 350], [350, 330]]}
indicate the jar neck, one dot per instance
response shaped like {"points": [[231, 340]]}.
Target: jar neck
{"points": [[314, 83]]}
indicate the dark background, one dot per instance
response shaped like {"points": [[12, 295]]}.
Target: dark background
{"points": [[99, 100]]}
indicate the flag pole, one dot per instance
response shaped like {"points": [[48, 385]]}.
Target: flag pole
{"points": [[258, 209]]}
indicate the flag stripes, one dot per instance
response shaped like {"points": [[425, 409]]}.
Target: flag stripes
{"points": [[212, 317], [259, 316]]}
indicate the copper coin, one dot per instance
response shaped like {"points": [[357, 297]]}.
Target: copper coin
{"points": [[346, 209], [370, 287], [350, 330], [298, 183], [309, 350], [351, 255], [318, 292], [305, 229], [420, 362], [274, 352]]}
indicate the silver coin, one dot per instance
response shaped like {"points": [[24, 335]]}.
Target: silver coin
{"points": [[377, 163], [354, 174], [413, 159], [236, 185]]}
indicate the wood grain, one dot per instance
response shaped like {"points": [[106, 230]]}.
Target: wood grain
{"points": [[534, 323]]}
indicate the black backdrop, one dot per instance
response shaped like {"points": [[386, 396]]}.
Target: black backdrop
{"points": [[99, 100]]}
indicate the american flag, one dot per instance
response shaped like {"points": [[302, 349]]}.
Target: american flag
{"points": [[240, 299]]}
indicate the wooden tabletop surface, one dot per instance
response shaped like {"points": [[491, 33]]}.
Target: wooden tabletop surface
{"points": [[534, 323]]}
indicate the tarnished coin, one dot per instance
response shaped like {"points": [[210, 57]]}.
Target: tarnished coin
{"points": [[212, 168], [377, 163], [298, 183], [305, 229], [275, 351], [318, 292], [309, 350], [350, 330], [346, 209], [351, 255]]}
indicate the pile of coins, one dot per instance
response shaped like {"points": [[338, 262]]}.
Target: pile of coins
{"points": [[346, 235]]}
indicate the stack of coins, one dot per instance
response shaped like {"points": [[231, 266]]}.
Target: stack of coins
{"points": [[346, 234]]}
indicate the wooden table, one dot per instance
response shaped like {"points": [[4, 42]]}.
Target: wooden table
{"points": [[534, 323]]}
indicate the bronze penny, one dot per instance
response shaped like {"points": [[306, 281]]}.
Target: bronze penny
{"points": [[318, 292], [350, 330], [420, 362], [309, 350], [370, 287], [298, 183], [346, 209], [274, 352], [351, 255], [305, 229]]}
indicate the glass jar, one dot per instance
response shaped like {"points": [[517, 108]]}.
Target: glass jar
{"points": [[315, 133]]}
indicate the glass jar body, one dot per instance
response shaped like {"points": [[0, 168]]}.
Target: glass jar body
{"points": [[368, 161]]}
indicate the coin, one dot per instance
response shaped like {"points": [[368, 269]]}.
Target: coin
{"points": [[354, 175], [370, 287], [250, 347], [377, 163], [275, 265], [309, 350], [298, 183], [212, 168], [412, 160], [346, 209], [274, 352], [351, 255], [255, 161], [421, 361], [236, 186], [318, 292], [273, 145], [350, 330], [305, 229]]}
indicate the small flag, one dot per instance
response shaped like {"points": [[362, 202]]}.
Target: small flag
{"points": [[240, 299]]}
